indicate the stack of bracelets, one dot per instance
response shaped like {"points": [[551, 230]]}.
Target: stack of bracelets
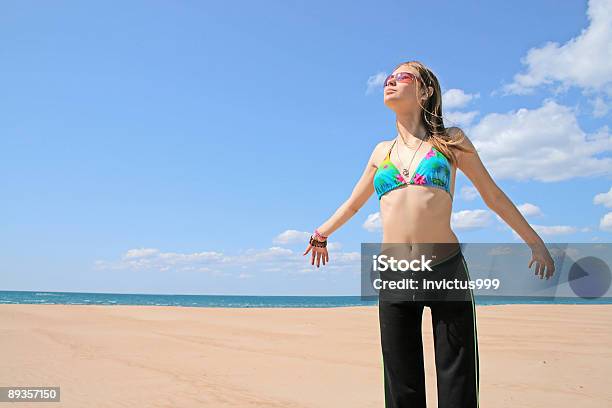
{"points": [[315, 242]]}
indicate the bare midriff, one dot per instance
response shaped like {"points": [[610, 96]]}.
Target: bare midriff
{"points": [[414, 214]]}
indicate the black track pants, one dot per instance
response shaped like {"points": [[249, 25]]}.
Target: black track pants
{"points": [[455, 343]]}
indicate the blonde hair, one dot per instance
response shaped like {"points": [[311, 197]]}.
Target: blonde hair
{"points": [[432, 113]]}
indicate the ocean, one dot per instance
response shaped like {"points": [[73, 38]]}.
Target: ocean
{"points": [[77, 298]]}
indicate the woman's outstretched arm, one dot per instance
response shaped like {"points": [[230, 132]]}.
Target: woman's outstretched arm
{"points": [[493, 196], [360, 195]]}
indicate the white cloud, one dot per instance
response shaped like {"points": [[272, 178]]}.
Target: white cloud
{"points": [[604, 199], [554, 229], [154, 259], [351, 258], [376, 82], [600, 107], [468, 193], [175, 258], [457, 98], [274, 259], [373, 222], [302, 237], [261, 255], [291, 237], [140, 253], [466, 219], [528, 209], [605, 223], [584, 61], [549, 230], [459, 119], [470, 219], [544, 144], [334, 246]]}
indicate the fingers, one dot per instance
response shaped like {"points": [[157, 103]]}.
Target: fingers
{"points": [[541, 270], [318, 255], [544, 269], [551, 270], [324, 257], [537, 271], [545, 265]]}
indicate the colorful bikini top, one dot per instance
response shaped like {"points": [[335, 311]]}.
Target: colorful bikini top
{"points": [[432, 171]]}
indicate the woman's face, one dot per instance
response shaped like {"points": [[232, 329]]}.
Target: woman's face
{"points": [[402, 96]]}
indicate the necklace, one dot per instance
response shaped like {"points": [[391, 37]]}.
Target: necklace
{"points": [[405, 171], [407, 145]]}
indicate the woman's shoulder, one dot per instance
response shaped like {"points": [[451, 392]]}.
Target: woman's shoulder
{"points": [[456, 133], [383, 146], [379, 152], [461, 144]]}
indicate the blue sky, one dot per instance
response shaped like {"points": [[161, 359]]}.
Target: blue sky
{"points": [[167, 147]]}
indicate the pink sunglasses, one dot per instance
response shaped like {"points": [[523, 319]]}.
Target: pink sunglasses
{"points": [[405, 77]]}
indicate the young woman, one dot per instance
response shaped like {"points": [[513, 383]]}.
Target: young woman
{"points": [[413, 176]]}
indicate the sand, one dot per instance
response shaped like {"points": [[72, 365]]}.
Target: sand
{"points": [[147, 356]]}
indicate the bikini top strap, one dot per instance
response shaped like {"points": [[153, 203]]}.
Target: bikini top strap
{"points": [[389, 152]]}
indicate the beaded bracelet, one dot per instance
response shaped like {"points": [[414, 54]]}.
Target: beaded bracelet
{"points": [[320, 244]]}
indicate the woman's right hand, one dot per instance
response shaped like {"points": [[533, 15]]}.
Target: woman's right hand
{"points": [[545, 265], [318, 253]]}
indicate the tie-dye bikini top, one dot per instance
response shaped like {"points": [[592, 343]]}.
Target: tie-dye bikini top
{"points": [[433, 171]]}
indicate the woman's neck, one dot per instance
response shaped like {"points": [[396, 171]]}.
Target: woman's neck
{"points": [[411, 129]]}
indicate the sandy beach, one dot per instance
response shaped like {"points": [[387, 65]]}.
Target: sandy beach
{"points": [[146, 356]]}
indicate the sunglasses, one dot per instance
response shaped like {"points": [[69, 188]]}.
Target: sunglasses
{"points": [[405, 77]]}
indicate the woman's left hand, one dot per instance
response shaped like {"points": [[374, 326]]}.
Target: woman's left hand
{"points": [[545, 266]]}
